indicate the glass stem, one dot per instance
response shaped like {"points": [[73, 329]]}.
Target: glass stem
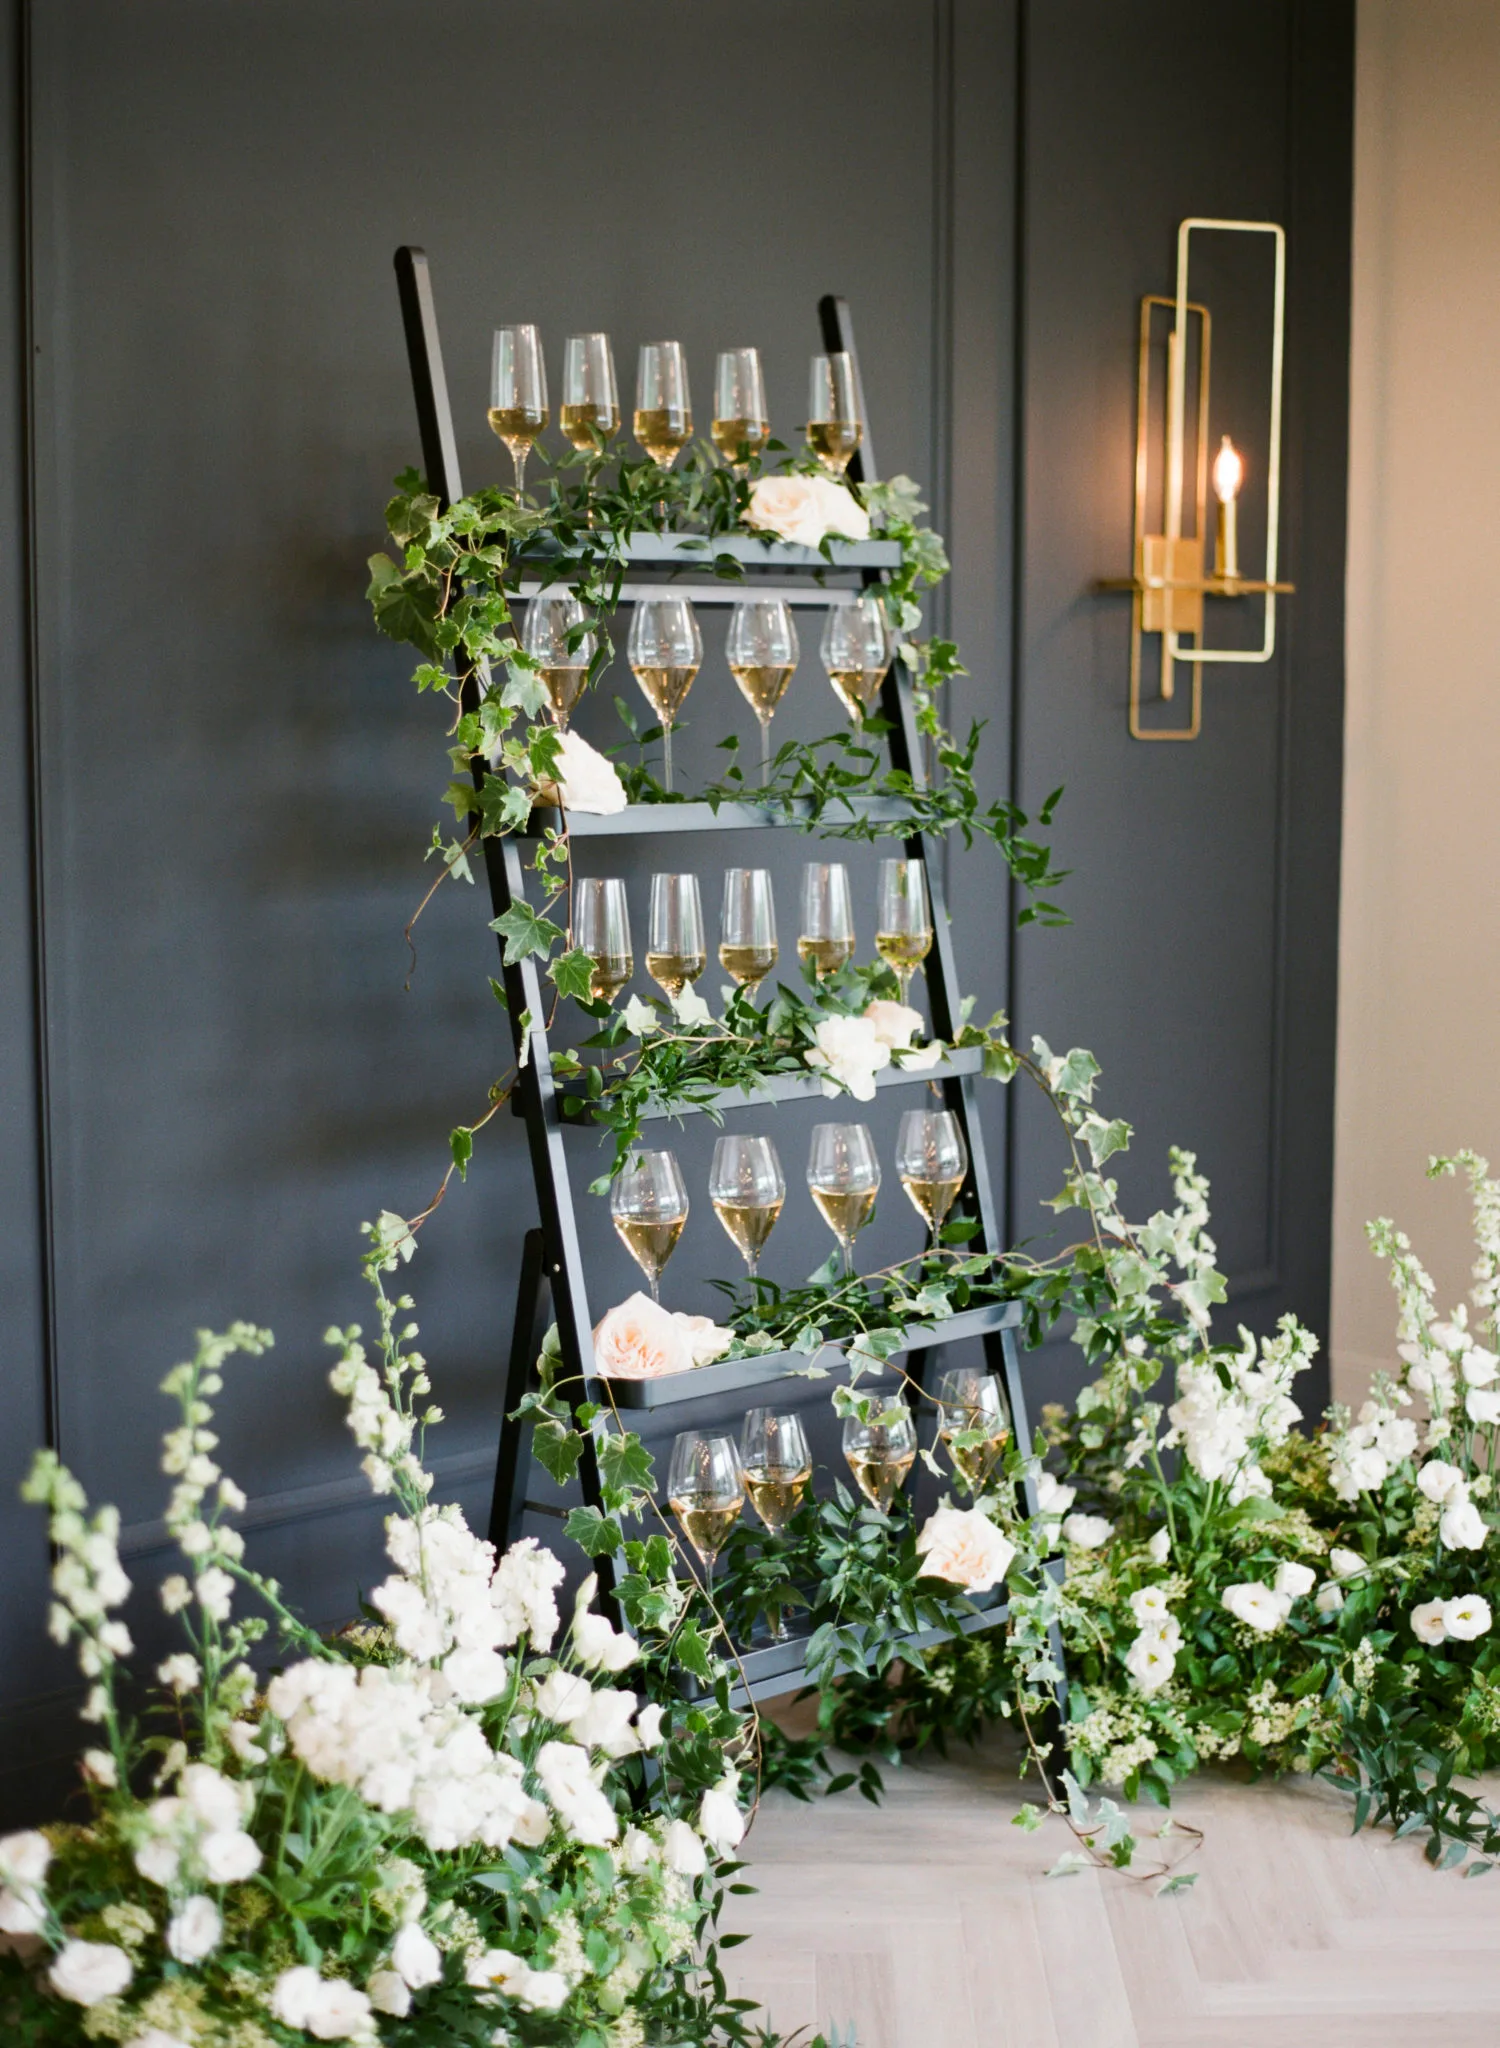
{"points": [[518, 458], [848, 1249], [666, 757], [655, 1279], [765, 752]]}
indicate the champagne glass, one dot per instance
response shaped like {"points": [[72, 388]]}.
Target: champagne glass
{"points": [[648, 1205], [843, 1175], [707, 1490], [857, 650], [762, 651], [932, 1159], [601, 928], [557, 632], [903, 920], [747, 1189], [834, 427], [675, 950], [777, 1466], [827, 937], [518, 393], [666, 652], [741, 423], [663, 409], [880, 1453], [590, 400], [747, 948], [973, 1423]]}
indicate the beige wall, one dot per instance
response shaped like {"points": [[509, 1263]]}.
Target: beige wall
{"points": [[1419, 1005]]}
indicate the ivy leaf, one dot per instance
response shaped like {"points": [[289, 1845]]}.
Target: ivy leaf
{"points": [[525, 931], [461, 1144], [525, 691], [593, 1532], [1182, 1883], [557, 1449], [692, 1652], [504, 806], [624, 1461], [574, 974]]}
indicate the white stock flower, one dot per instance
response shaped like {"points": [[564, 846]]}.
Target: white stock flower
{"points": [[1466, 1617], [476, 1676], [640, 1340], [849, 1054], [215, 1590], [599, 1646], [84, 1972], [1428, 1624], [1479, 1366], [563, 1769], [1462, 1527], [194, 1930], [1345, 1564], [417, 1958], [1482, 1405], [720, 1821], [1150, 1661], [1255, 1604], [1295, 1580], [180, 1672], [682, 1850], [584, 779], [328, 2008], [526, 1579], [1087, 1532], [1442, 1482], [963, 1546]]}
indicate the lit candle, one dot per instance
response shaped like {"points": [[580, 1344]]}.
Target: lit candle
{"points": [[1229, 473]]}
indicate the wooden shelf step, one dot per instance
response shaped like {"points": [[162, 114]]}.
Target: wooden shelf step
{"points": [[699, 551], [804, 1087]]}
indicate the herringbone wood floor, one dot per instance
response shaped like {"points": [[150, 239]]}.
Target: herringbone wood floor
{"points": [[930, 1924]]}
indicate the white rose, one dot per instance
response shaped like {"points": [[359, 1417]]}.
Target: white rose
{"points": [[1345, 1564], [842, 516], [194, 1930], [963, 1546], [1150, 1661], [1442, 1482], [1255, 1604], [229, 1857], [720, 1821], [86, 1971], [416, 1957], [1466, 1617], [1462, 1526], [682, 1850], [639, 1340], [24, 1857], [896, 1024], [849, 1054], [22, 1910], [1295, 1579], [1087, 1532], [637, 1852], [710, 1340], [1052, 1497], [1427, 1623], [802, 509], [1483, 1404], [584, 780]]}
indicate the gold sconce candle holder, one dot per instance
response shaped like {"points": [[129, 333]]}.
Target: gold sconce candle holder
{"points": [[1170, 579]]}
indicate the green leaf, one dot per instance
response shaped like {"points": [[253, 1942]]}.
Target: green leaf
{"points": [[592, 1532], [692, 1652], [504, 806], [525, 931], [461, 1144], [573, 973]]}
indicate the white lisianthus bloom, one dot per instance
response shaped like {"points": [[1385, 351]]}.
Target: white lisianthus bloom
{"points": [[1087, 1532], [1052, 1497], [640, 1340], [1479, 1366], [584, 780], [1159, 1549], [217, 1801], [23, 1910], [1294, 1580], [1150, 1661], [1345, 1564], [963, 1546], [1149, 1606], [194, 1930], [896, 1024], [561, 1695], [1427, 1623], [605, 1723], [1467, 1617], [388, 1993], [24, 1858], [720, 1821], [1482, 1405], [229, 1857], [648, 1727], [325, 2007], [543, 1990], [1462, 1527], [1330, 1598], [709, 1340], [599, 1646], [1258, 1606], [180, 1672], [849, 1055], [690, 1009], [682, 1850], [918, 1057], [638, 1852], [1442, 1482], [417, 1958], [84, 1972], [563, 1769]]}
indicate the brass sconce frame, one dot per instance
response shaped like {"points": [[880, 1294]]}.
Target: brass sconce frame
{"points": [[1170, 582]]}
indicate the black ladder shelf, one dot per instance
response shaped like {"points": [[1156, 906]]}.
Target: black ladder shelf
{"points": [[553, 1262]]}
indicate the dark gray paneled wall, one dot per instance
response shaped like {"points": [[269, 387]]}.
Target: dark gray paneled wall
{"points": [[218, 781]]}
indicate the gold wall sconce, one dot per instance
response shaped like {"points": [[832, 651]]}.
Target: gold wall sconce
{"points": [[1171, 580]]}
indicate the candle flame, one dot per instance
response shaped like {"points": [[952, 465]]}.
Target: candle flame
{"points": [[1229, 472]]}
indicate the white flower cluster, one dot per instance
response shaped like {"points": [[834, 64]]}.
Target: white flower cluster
{"points": [[23, 1874], [1152, 1657], [850, 1051], [1362, 1456], [1434, 1621], [447, 1603], [1265, 1608], [198, 1835], [1223, 1429], [1461, 1526], [87, 1579], [328, 2008], [382, 1427], [1455, 1373]]}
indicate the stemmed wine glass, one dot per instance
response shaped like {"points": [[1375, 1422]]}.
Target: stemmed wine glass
{"points": [[843, 1176], [857, 650], [518, 393], [663, 409], [903, 919], [707, 1491], [676, 952], [747, 946], [648, 1205], [558, 633], [741, 423], [666, 652], [747, 1188], [601, 928], [834, 427], [973, 1423], [762, 650], [932, 1158], [880, 1453], [590, 401], [827, 936], [777, 1465]]}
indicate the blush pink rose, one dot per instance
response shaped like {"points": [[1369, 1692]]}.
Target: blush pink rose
{"points": [[803, 509], [640, 1340]]}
